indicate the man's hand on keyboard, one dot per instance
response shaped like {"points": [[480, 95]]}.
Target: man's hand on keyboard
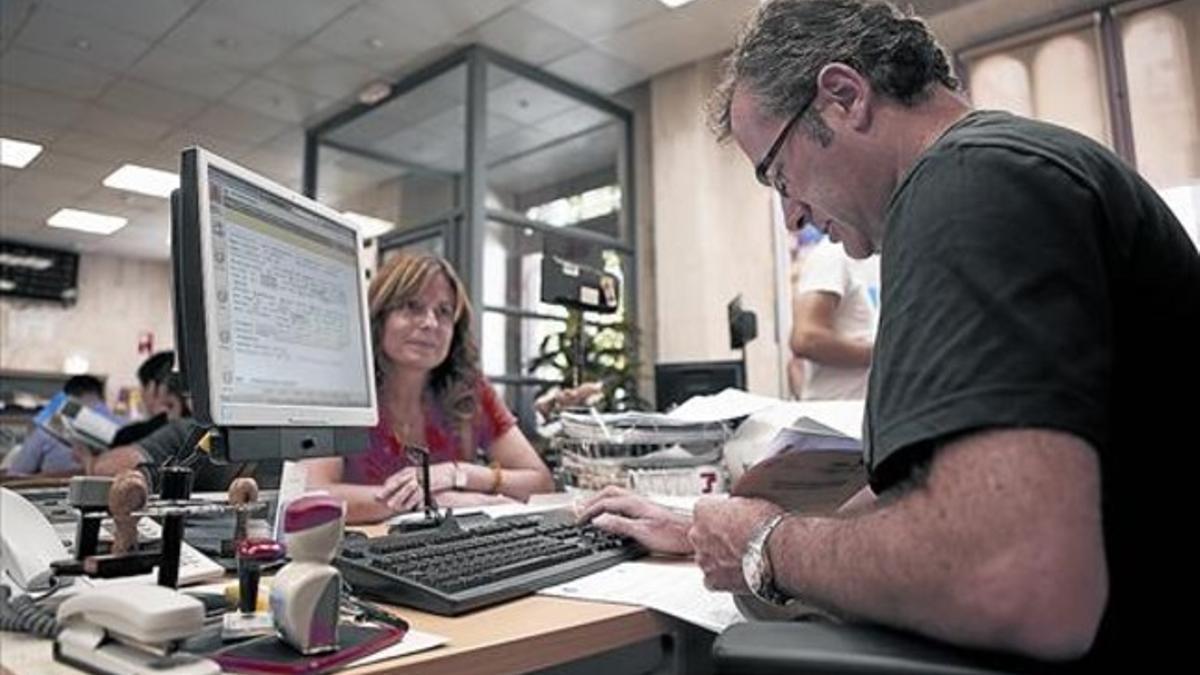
{"points": [[622, 512]]}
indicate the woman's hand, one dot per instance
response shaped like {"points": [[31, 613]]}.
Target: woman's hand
{"points": [[402, 490]]}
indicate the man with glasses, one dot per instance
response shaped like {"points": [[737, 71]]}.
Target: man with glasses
{"points": [[1026, 456]]}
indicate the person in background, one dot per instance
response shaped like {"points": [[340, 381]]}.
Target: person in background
{"points": [[172, 441], [152, 375], [833, 324], [431, 395], [1029, 426], [42, 453]]}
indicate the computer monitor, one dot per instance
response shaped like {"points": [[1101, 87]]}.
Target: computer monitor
{"points": [[675, 383], [572, 276], [271, 315]]}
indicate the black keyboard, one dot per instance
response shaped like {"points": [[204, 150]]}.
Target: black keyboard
{"points": [[461, 567]]}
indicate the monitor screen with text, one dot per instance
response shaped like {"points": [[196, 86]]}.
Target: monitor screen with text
{"points": [[285, 324]]}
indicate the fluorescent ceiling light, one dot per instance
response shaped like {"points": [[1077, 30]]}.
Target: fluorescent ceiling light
{"points": [[86, 221], [33, 262], [674, 3], [143, 180], [370, 226], [18, 154]]}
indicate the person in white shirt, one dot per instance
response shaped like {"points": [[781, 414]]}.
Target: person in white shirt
{"points": [[834, 317]]}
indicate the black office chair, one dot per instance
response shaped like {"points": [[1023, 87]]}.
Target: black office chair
{"points": [[774, 647]]}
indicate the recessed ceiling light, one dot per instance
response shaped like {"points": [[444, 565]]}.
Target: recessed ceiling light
{"points": [[86, 221], [82, 44], [674, 3], [18, 154], [374, 43], [370, 226], [143, 180], [374, 93]]}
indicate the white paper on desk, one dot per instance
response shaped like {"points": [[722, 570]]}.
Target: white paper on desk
{"points": [[675, 588], [414, 641], [726, 405]]}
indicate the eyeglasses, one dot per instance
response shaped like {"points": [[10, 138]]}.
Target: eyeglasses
{"points": [[414, 310], [777, 181]]}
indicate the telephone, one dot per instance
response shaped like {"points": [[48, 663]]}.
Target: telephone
{"points": [[31, 543], [111, 630]]}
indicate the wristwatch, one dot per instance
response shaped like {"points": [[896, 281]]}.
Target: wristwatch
{"points": [[756, 564], [460, 477]]}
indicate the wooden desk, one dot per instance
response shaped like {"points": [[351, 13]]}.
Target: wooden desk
{"points": [[516, 637], [527, 634], [524, 635]]}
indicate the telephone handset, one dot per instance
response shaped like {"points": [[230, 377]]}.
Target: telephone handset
{"points": [[152, 615], [111, 630], [30, 544]]}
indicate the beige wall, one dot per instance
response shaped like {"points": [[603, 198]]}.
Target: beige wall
{"points": [[712, 233], [119, 298]]}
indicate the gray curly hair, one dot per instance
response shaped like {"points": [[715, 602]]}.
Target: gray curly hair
{"points": [[785, 43]]}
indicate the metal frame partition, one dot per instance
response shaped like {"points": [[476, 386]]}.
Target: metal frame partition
{"points": [[462, 228]]}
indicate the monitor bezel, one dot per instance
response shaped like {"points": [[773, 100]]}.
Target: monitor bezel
{"points": [[196, 164]]}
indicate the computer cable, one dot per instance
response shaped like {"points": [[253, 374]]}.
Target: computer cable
{"points": [[361, 611]]}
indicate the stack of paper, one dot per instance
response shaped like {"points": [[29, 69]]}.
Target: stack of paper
{"points": [[812, 463], [639, 427]]}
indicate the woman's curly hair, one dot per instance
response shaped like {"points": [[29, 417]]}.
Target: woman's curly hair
{"points": [[454, 380]]}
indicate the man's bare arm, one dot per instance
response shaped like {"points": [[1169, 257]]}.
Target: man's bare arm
{"points": [[814, 336], [1000, 546]]}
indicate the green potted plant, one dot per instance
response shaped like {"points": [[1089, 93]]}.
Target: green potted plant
{"points": [[584, 352]]}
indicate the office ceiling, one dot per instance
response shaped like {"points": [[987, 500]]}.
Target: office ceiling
{"points": [[100, 84]]}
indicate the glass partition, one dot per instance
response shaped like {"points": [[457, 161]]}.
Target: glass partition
{"points": [[416, 140], [551, 162]]}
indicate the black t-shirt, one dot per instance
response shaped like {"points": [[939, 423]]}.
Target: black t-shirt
{"points": [[1031, 279]]}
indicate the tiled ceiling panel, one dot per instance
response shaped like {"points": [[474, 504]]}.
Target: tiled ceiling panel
{"points": [[99, 147], [289, 18], [208, 36], [234, 123], [320, 71], [38, 71], [148, 100], [89, 171], [374, 37], [278, 100], [526, 37], [26, 129], [591, 20], [148, 19], [121, 125], [45, 108], [166, 67], [80, 39], [597, 71]]}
